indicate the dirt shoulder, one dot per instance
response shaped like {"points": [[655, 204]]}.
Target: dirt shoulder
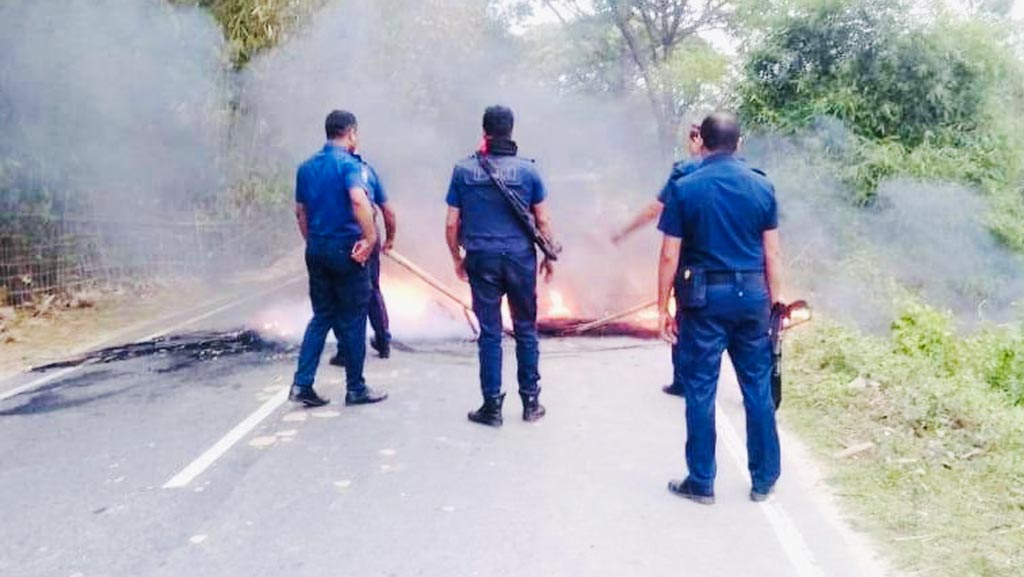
{"points": [[67, 326]]}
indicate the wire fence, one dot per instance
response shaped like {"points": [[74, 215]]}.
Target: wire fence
{"points": [[40, 256]]}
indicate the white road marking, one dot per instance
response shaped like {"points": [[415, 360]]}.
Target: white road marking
{"points": [[196, 468], [35, 384], [792, 542]]}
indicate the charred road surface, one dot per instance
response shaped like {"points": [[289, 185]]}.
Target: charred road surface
{"points": [[180, 457]]}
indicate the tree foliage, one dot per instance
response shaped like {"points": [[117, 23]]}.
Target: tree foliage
{"points": [[251, 26], [857, 62], [655, 45], [938, 98]]}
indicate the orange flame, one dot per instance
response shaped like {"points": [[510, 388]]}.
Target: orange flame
{"points": [[558, 309]]}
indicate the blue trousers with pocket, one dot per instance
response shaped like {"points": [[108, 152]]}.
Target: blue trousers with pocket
{"points": [[377, 310], [734, 319], [512, 275], [339, 290]]}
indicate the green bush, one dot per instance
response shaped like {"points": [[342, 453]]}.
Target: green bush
{"points": [[943, 482]]}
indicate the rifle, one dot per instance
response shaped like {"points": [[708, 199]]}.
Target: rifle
{"points": [[783, 317], [549, 247]]}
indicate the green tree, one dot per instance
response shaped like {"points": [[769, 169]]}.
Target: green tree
{"points": [[251, 26], [661, 42]]}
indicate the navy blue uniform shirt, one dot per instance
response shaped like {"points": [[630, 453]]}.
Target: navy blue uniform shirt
{"points": [[322, 185], [679, 170], [488, 223], [721, 212], [375, 186]]}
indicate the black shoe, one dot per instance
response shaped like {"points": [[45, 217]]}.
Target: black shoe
{"points": [[761, 495], [382, 346], [674, 390], [367, 396], [490, 413], [307, 396], [532, 409], [684, 490], [337, 361]]}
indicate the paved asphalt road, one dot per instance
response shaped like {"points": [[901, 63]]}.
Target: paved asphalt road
{"points": [[405, 488]]}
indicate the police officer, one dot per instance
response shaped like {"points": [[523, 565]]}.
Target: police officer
{"points": [[681, 168], [336, 220], [499, 260], [378, 309], [651, 212], [723, 220]]}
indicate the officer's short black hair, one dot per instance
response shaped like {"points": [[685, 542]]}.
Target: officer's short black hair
{"points": [[339, 123], [720, 132], [498, 121]]}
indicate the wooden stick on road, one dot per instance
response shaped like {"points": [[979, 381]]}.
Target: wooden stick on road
{"points": [[587, 327], [435, 284]]}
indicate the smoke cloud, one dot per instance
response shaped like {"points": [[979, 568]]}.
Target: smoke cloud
{"points": [[128, 107], [117, 104], [923, 239]]}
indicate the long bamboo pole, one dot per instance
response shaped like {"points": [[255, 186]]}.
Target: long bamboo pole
{"points": [[437, 285], [587, 327], [429, 279]]}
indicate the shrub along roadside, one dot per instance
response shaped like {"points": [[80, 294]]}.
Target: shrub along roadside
{"points": [[942, 480]]}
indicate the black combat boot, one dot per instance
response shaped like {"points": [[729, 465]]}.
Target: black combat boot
{"points": [[532, 409], [490, 413]]}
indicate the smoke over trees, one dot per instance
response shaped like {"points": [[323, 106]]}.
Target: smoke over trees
{"points": [[215, 101]]}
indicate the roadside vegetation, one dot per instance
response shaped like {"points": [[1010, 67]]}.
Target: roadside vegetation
{"points": [[923, 432], [925, 425]]}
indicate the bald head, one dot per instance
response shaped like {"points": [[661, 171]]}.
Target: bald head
{"points": [[720, 132]]}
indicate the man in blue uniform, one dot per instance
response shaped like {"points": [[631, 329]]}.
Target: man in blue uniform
{"points": [[650, 213], [335, 218], [378, 310], [500, 260], [723, 220], [681, 168]]}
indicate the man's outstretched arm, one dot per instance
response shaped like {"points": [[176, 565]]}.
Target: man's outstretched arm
{"points": [[649, 214]]}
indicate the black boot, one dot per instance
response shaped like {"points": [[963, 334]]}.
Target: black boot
{"points": [[307, 396], [490, 413], [674, 390], [532, 409], [367, 396], [337, 360]]}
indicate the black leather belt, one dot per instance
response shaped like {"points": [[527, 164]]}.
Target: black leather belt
{"points": [[736, 276]]}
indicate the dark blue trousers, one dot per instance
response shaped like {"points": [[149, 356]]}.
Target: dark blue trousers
{"points": [[735, 318], [492, 276], [377, 311], [379, 320], [339, 290]]}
